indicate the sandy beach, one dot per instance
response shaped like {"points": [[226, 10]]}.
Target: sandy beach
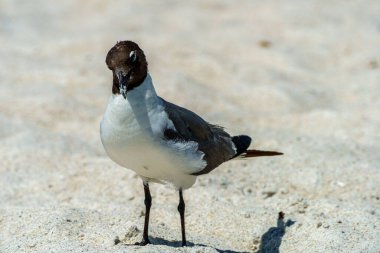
{"points": [[300, 77]]}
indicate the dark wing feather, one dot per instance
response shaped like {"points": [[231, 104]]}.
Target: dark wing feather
{"points": [[212, 140]]}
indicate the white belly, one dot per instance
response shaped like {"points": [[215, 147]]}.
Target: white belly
{"points": [[131, 142]]}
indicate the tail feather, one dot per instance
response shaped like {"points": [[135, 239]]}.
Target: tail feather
{"points": [[255, 153], [242, 143]]}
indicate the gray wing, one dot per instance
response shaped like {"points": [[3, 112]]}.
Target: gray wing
{"points": [[212, 140]]}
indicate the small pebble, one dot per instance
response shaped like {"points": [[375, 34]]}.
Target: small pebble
{"points": [[265, 43]]}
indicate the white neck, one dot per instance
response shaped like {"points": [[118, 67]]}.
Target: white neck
{"points": [[147, 107], [143, 96]]}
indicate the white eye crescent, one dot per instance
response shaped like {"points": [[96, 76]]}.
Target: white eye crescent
{"points": [[133, 55]]}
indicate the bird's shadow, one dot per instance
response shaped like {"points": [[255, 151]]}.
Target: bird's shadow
{"points": [[177, 244], [272, 239]]}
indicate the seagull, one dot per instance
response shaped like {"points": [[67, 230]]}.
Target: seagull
{"points": [[160, 141]]}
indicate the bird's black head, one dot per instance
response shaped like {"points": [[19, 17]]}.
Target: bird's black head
{"points": [[129, 67]]}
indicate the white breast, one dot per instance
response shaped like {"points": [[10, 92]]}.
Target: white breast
{"points": [[132, 135]]}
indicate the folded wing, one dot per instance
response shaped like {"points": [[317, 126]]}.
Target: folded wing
{"points": [[212, 140]]}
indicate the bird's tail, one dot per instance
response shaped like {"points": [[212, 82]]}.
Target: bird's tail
{"points": [[255, 153], [242, 143]]}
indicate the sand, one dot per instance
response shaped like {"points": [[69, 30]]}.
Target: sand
{"points": [[301, 77]]}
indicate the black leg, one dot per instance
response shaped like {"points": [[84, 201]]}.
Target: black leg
{"points": [[181, 210], [148, 204]]}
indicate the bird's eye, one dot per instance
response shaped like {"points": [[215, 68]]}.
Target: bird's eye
{"points": [[133, 56]]}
